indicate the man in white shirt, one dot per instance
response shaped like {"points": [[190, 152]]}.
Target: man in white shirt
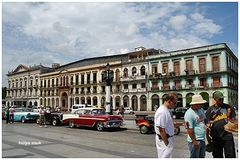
{"points": [[164, 127]]}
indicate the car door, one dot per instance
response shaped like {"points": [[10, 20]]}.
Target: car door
{"points": [[86, 118]]}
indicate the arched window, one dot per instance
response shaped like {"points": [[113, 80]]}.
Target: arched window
{"points": [[143, 70], [126, 101], [117, 75], [134, 71], [125, 72]]}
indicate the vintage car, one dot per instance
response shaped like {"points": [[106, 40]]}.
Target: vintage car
{"points": [[25, 114], [54, 118], [146, 124], [92, 117], [179, 112]]}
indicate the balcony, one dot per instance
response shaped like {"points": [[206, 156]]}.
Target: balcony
{"points": [[177, 87], [82, 92], [190, 72], [165, 87], [116, 91], [142, 89], [216, 85], [155, 89], [205, 86], [189, 86]]}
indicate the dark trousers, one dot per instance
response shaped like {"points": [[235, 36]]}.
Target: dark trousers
{"points": [[11, 118], [225, 143], [7, 118]]}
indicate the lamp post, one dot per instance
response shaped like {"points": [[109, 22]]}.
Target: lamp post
{"points": [[108, 80]]}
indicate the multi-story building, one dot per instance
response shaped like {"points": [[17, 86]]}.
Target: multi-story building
{"points": [[201, 70], [24, 85], [141, 79]]}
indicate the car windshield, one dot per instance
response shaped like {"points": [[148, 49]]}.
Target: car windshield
{"points": [[98, 111]]}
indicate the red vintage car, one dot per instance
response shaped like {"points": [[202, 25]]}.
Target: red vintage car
{"points": [[146, 124], [92, 117]]}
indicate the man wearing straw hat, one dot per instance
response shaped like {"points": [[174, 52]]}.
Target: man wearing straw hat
{"points": [[194, 122], [218, 116]]}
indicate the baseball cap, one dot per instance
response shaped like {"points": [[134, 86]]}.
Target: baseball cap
{"points": [[218, 94]]}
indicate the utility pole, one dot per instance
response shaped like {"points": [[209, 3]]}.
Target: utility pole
{"points": [[108, 79]]}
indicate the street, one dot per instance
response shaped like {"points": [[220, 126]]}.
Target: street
{"points": [[20, 140]]}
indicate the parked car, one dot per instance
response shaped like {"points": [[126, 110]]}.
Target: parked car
{"points": [[54, 118], [77, 106], [35, 109], [128, 110], [179, 112], [92, 117], [25, 114], [146, 124]]}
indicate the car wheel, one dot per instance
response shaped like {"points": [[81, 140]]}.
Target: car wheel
{"points": [[99, 126], [54, 122], [176, 130], [23, 120], [144, 129], [71, 124]]}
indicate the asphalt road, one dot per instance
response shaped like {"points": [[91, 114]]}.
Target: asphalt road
{"points": [[28, 140]]}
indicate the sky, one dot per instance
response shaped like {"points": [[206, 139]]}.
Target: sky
{"points": [[64, 32]]}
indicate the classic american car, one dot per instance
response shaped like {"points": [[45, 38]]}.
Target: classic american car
{"points": [[54, 118], [92, 117], [25, 114]]}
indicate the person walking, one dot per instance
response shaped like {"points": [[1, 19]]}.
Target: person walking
{"points": [[218, 116], [7, 115], [164, 127], [41, 117], [195, 124], [12, 110]]}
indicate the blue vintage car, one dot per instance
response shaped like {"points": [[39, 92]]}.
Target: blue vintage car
{"points": [[25, 114]]}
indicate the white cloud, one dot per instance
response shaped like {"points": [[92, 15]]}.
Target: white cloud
{"points": [[66, 32], [177, 22], [203, 26]]}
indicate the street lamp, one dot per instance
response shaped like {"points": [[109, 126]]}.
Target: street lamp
{"points": [[108, 80]]}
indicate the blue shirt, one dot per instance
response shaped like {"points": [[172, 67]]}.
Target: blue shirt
{"points": [[194, 119]]}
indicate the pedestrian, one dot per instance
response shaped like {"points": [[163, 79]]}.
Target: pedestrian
{"points": [[195, 124], [46, 116], [218, 116], [12, 110], [7, 115], [41, 116], [164, 127]]}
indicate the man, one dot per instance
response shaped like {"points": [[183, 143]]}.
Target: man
{"points": [[218, 116], [12, 110], [164, 127], [194, 122], [7, 115], [42, 117]]}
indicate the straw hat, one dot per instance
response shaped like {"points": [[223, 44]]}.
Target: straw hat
{"points": [[197, 99]]}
